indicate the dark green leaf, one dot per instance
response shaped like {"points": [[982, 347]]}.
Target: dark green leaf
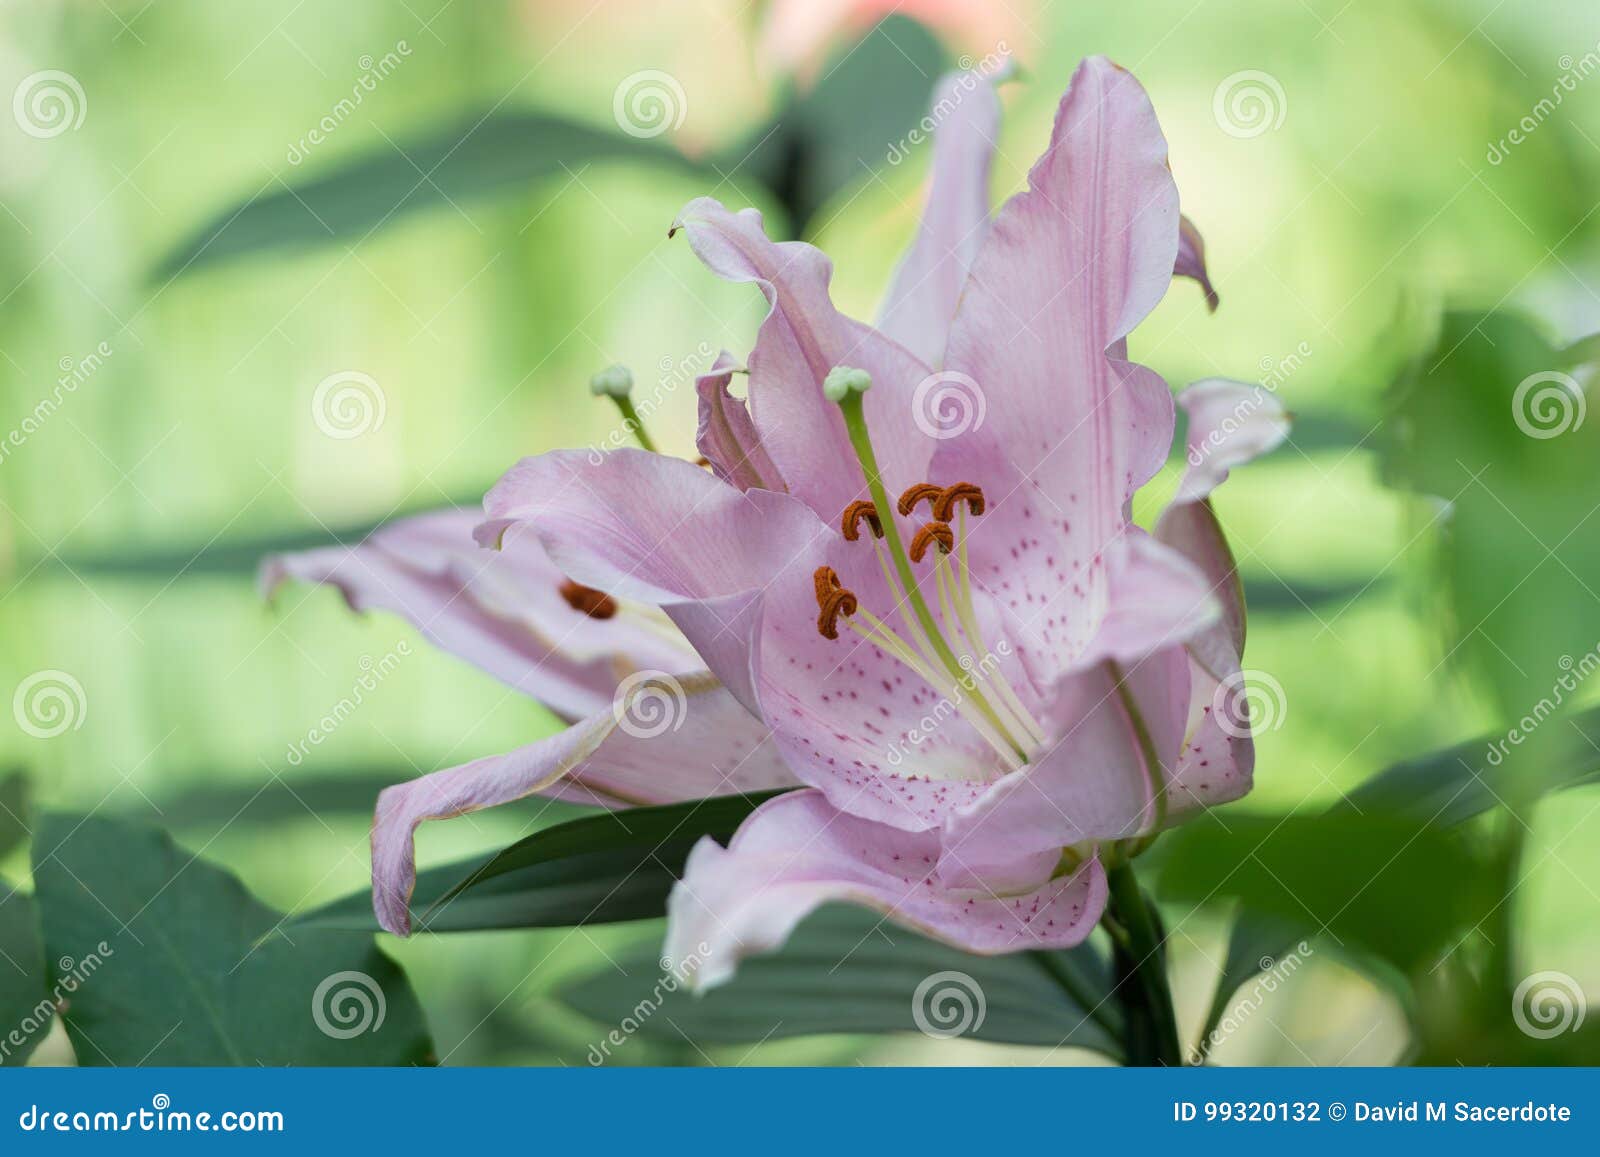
{"points": [[26, 1006], [1454, 784], [597, 870], [846, 970], [854, 121], [14, 810], [1373, 882], [171, 961], [485, 154]]}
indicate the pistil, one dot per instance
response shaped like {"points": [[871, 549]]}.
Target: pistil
{"points": [[846, 387], [616, 383]]}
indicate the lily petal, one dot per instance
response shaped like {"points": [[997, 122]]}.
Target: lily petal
{"points": [[660, 741], [1230, 423], [1192, 529], [796, 852], [661, 530], [502, 612], [922, 299], [1071, 427], [1192, 260], [1094, 783], [726, 436], [802, 338]]}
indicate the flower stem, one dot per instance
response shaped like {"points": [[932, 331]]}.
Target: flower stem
{"points": [[1141, 965], [635, 424]]}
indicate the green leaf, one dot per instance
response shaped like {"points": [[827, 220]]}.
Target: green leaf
{"points": [[846, 970], [1456, 783], [1256, 943], [601, 869], [26, 1007], [1490, 421], [1374, 882], [15, 806], [480, 155], [854, 121], [169, 960]]}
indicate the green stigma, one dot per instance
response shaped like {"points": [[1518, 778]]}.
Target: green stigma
{"points": [[843, 381]]}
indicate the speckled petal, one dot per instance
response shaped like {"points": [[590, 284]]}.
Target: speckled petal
{"points": [[1071, 427], [796, 853]]}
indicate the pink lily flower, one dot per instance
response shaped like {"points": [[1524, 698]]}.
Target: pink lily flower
{"points": [[910, 574]]}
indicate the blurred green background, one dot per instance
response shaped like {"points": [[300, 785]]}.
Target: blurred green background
{"points": [[131, 517]]}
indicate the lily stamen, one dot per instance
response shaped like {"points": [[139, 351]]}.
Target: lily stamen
{"points": [[944, 506], [914, 495], [588, 601], [833, 600], [850, 520], [933, 534]]}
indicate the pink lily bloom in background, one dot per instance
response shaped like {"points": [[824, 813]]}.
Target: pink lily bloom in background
{"points": [[909, 580]]}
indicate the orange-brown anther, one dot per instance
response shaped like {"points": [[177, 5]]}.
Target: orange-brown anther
{"points": [[915, 494], [944, 506], [850, 520], [839, 602], [595, 604], [832, 601], [935, 533]]}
